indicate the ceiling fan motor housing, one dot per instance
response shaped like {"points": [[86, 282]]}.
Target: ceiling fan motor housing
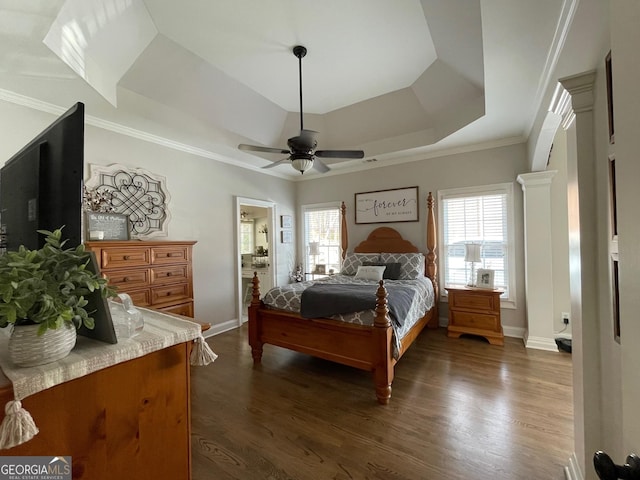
{"points": [[302, 148]]}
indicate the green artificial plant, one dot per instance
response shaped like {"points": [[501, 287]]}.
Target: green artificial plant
{"points": [[48, 286]]}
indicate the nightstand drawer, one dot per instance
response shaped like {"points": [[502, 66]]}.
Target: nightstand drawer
{"points": [[475, 320], [473, 302], [475, 311]]}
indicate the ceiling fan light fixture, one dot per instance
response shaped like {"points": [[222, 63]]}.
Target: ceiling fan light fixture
{"points": [[302, 148], [302, 163]]}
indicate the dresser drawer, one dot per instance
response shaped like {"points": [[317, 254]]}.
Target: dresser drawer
{"points": [[140, 298], [170, 254], [171, 274], [124, 257], [127, 279], [473, 302], [474, 320], [184, 309], [170, 293]]}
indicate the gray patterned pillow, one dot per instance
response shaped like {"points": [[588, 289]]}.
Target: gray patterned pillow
{"points": [[412, 264], [352, 261]]}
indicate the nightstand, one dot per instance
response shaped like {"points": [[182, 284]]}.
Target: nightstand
{"points": [[475, 311]]}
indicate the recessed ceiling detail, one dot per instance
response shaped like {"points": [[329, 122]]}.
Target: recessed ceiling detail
{"points": [[399, 80]]}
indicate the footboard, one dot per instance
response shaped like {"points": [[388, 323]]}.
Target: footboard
{"points": [[364, 347]]}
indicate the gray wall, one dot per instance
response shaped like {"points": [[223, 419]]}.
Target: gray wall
{"points": [[482, 167], [202, 202]]}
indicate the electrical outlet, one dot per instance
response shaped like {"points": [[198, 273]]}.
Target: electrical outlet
{"points": [[565, 318]]}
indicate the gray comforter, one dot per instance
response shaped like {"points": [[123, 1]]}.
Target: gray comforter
{"points": [[325, 300]]}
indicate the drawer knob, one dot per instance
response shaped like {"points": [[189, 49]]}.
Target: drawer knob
{"points": [[126, 279], [169, 274], [168, 294], [126, 257]]}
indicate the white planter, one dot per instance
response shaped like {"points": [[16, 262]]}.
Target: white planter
{"points": [[28, 349]]}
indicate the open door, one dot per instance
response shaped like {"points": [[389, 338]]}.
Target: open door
{"points": [[255, 249]]}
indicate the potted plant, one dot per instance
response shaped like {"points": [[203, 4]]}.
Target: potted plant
{"points": [[42, 294]]}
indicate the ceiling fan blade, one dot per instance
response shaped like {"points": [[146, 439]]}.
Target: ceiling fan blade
{"points": [[256, 148], [340, 153], [276, 163], [320, 166]]}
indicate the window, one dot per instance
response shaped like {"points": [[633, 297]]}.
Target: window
{"points": [[246, 237], [321, 238], [481, 215]]}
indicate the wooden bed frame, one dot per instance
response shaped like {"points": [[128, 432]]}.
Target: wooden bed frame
{"points": [[364, 347]]}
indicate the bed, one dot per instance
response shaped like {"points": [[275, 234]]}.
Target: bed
{"points": [[374, 347]]}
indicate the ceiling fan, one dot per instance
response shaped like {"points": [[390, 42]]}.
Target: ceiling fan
{"points": [[302, 149]]}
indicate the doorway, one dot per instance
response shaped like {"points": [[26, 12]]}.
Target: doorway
{"points": [[255, 249]]}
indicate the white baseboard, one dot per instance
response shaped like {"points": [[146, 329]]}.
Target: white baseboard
{"points": [[572, 471], [515, 332], [540, 343], [220, 328]]}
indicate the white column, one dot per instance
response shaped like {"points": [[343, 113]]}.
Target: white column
{"points": [[538, 260], [583, 281]]}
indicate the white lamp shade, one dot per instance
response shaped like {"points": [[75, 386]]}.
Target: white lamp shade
{"points": [[301, 164], [314, 248], [472, 252]]}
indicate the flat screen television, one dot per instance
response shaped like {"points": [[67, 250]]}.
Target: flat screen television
{"points": [[41, 188], [41, 185]]}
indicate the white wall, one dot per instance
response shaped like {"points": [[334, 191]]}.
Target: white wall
{"points": [[202, 203], [482, 167], [560, 233]]}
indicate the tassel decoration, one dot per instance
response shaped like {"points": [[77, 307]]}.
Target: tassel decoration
{"points": [[201, 354], [17, 426]]}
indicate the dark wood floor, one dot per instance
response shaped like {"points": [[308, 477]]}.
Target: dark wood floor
{"points": [[460, 409]]}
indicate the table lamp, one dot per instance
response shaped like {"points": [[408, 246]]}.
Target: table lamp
{"points": [[314, 250], [472, 255]]}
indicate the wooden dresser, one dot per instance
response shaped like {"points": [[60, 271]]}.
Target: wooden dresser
{"points": [[475, 311], [155, 274]]}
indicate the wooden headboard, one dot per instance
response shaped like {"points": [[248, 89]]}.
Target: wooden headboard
{"points": [[385, 239]]}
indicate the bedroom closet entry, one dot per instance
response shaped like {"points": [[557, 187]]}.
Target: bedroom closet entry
{"points": [[255, 249]]}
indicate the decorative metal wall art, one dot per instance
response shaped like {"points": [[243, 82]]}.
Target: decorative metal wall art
{"points": [[137, 193]]}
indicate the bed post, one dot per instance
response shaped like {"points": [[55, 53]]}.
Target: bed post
{"points": [[432, 268], [344, 240], [383, 361], [254, 324]]}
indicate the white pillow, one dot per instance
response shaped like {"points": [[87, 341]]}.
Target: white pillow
{"points": [[370, 272]]}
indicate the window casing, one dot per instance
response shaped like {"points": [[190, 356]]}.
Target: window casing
{"points": [[321, 226], [481, 215]]}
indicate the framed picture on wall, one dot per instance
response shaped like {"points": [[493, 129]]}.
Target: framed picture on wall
{"points": [[286, 221], [485, 278], [286, 236]]}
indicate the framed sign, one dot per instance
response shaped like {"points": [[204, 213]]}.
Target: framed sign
{"points": [[107, 226], [387, 206]]}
